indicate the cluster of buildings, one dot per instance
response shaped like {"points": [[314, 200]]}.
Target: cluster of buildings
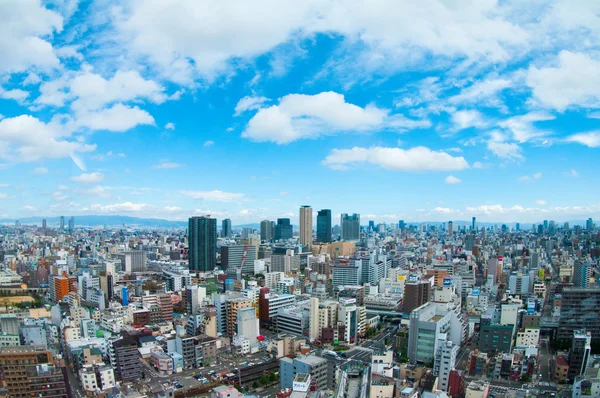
{"points": [[313, 309]]}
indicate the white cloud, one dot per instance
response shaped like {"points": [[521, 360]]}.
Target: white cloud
{"points": [[121, 207], [590, 139], [249, 103], [90, 178], [214, 196], [164, 164], [62, 188], [59, 196], [594, 115], [505, 150], [27, 139], [28, 208], [284, 193], [467, 118], [187, 38], [574, 81], [15, 94], [4, 196], [300, 116], [170, 126], [31, 79], [25, 27], [208, 143], [522, 127], [40, 170], [414, 159], [530, 178], [452, 180], [478, 165], [118, 118], [481, 92], [571, 173], [540, 202]]}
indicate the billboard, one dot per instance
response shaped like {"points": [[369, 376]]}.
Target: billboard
{"points": [[476, 291], [447, 282], [401, 278]]}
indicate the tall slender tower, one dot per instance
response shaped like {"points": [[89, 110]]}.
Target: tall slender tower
{"points": [[226, 228], [324, 226], [202, 243], [306, 225]]}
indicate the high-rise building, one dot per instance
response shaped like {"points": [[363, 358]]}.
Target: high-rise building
{"points": [[313, 324], [306, 225], [450, 229], [371, 225], [315, 366], [202, 242], [226, 228], [589, 224], [426, 327], [283, 229], [192, 301], [125, 358], [582, 272], [445, 361], [233, 305], [324, 226], [232, 256], [474, 224], [62, 223], [132, 261], [71, 224], [579, 306], [579, 355], [44, 224], [350, 225], [265, 230], [416, 293], [29, 371], [401, 225]]}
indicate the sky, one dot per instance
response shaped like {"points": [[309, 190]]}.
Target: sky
{"points": [[422, 111]]}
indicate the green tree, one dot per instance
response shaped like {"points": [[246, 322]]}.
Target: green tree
{"points": [[272, 377], [263, 380], [254, 384]]}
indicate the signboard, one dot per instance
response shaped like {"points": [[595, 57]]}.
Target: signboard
{"points": [[447, 282], [499, 258], [401, 278], [476, 291]]}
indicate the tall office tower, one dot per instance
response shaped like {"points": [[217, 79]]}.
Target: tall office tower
{"points": [[518, 226], [445, 361], [133, 261], [29, 371], [202, 243], [232, 257], [589, 224], [283, 229], [226, 228], [71, 224], [416, 293], [350, 225], [272, 229], [265, 230], [582, 272], [44, 224], [62, 223], [306, 226], [579, 306], [566, 227], [450, 231], [401, 225], [474, 223], [371, 225], [192, 301], [324, 226], [580, 352], [313, 324], [545, 225]]}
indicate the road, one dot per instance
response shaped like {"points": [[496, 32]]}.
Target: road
{"points": [[545, 368]]}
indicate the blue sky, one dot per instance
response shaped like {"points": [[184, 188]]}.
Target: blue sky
{"points": [[429, 110]]}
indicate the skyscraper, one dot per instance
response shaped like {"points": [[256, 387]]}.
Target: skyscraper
{"points": [[474, 224], [350, 227], [226, 228], [371, 225], [44, 224], [450, 231], [202, 242], [589, 224], [306, 225], [324, 226], [283, 229], [582, 272], [71, 224], [62, 223], [265, 230], [580, 352], [401, 225]]}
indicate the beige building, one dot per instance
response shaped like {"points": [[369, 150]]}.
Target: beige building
{"points": [[477, 389], [306, 226], [233, 305]]}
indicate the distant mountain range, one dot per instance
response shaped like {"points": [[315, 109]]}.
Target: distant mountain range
{"points": [[111, 221]]}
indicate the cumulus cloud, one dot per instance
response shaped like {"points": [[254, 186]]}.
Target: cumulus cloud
{"points": [[540, 202], [573, 81], [530, 178], [121, 207], [208, 143], [398, 159], [118, 118], [90, 178], [214, 196], [170, 126], [478, 165], [300, 116], [452, 180], [249, 103], [467, 118], [522, 127], [590, 139]]}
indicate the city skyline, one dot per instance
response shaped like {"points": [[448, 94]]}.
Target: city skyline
{"points": [[479, 109]]}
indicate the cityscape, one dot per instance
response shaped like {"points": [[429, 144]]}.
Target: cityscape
{"points": [[306, 307], [299, 199]]}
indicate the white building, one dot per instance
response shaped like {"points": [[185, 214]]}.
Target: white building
{"points": [[445, 361], [528, 337]]}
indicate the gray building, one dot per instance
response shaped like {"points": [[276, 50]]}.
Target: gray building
{"points": [[496, 337], [202, 243], [310, 364], [231, 258], [125, 360], [579, 309], [283, 229], [350, 225], [265, 230]]}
